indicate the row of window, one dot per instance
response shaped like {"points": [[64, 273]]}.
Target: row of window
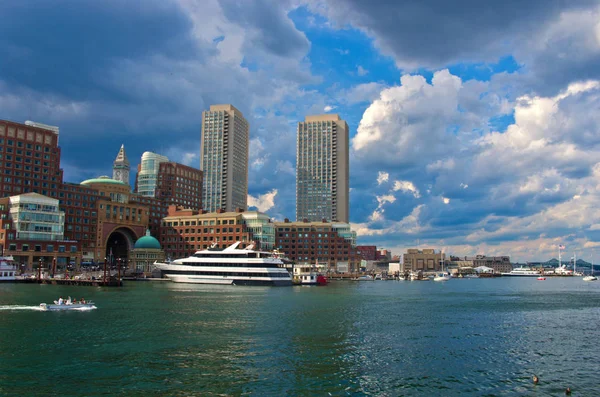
{"points": [[38, 248]]}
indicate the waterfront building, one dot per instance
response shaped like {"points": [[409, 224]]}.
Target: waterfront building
{"points": [[30, 159], [185, 231], [500, 264], [224, 159], [331, 245], [322, 169], [146, 178], [146, 251], [121, 221], [32, 231], [426, 260], [121, 167]]}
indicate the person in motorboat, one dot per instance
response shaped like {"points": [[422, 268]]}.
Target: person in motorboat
{"points": [[69, 302], [82, 301], [60, 301]]}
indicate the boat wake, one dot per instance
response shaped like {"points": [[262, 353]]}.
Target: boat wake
{"points": [[20, 307]]}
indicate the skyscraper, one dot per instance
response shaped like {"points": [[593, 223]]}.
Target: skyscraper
{"points": [[224, 158], [121, 167], [147, 175], [172, 183], [322, 169]]}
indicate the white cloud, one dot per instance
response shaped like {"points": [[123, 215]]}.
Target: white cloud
{"points": [[329, 108], [361, 71], [446, 200], [263, 202], [382, 177], [406, 186]]}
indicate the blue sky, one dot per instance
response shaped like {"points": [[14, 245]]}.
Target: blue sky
{"points": [[474, 125]]}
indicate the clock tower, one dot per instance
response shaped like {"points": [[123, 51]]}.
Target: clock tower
{"points": [[121, 167]]}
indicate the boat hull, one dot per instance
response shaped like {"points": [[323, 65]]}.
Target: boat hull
{"points": [[78, 306], [227, 281]]}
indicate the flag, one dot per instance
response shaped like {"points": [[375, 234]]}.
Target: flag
{"points": [[561, 247]]}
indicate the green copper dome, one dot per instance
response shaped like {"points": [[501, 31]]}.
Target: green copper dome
{"points": [[147, 242], [102, 179]]}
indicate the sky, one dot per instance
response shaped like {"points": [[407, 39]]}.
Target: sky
{"points": [[474, 126]]}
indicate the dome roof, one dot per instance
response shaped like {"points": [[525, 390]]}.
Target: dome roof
{"points": [[102, 179], [147, 242]]}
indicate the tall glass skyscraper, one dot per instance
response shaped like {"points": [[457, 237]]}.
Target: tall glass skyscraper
{"points": [[147, 176], [322, 169], [224, 158]]}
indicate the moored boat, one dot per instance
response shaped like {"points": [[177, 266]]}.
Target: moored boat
{"points": [[523, 272], [229, 266], [8, 270]]}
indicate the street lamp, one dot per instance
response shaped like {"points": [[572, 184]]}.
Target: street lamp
{"points": [[119, 271], [104, 278], [40, 270]]}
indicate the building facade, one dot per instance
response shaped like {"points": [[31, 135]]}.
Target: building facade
{"points": [[331, 245], [224, 159], [121, 167], [500, 264], [32, 231], [120, 222], [426, 260], [146, 178], [185, 231], [29, 159], [322, 169], [179, 184]]}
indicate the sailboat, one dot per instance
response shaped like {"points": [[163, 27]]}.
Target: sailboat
{"points": [[591, 277], [443, 276]]}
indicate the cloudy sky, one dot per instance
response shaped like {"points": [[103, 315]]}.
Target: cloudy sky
{"points": [[474, 124]]}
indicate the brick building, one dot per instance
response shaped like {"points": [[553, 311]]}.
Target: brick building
{"points": [[186, 231], [329, 244]]}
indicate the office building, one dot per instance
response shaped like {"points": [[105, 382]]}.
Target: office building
{"points": [[224, 159], [147, 175], [322, 169]]}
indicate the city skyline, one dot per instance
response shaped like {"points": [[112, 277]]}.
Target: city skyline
{"points": [[475, 140]]}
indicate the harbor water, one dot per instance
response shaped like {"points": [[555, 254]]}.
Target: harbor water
{"points": [[470, 337]]}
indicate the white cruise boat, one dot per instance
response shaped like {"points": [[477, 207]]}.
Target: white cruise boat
{"points": [[228, 266], [8, 270], [522, 272]]}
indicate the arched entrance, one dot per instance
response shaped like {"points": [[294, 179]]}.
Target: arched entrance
{"points": [[118, 245]]}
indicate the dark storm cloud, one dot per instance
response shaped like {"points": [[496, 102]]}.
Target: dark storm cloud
{"points": [[273, 30], [434, 33], [65, 46]]}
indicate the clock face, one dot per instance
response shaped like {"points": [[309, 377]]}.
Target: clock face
{"points": [[118, 174]]}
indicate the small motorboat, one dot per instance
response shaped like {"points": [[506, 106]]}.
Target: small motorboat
{"points": [[541, 278], [590, 278], [68, 305]]}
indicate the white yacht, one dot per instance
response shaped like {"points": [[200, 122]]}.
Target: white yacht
{"points": [[228, 266], [8, 270], [523, 272]]}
